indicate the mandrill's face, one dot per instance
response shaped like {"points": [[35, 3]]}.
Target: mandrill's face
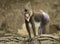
{"points": [[27, 16]]}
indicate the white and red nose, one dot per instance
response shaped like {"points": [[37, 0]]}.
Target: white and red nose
{"points": [[27, 15]]}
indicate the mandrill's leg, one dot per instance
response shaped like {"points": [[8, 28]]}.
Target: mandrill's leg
{"points": [[28, 28], [33, 26], [41, 29]]}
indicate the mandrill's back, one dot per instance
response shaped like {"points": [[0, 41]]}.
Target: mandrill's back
{"points": [[37, 17]]}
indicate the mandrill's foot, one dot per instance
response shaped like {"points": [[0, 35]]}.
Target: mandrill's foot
{"points": [[35, 37], [29, 39], [38, 36]]}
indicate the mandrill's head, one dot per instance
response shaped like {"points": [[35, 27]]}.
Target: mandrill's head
{"points": [[29, 11]]}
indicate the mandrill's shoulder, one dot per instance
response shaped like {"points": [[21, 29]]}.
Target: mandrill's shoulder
{"points": [[37, 16]]}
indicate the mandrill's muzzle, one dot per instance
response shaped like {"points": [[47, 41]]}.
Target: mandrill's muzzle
{"points": [[27, 16]]}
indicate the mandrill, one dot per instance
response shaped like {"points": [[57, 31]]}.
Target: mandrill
{"points": [[29, 18]]}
